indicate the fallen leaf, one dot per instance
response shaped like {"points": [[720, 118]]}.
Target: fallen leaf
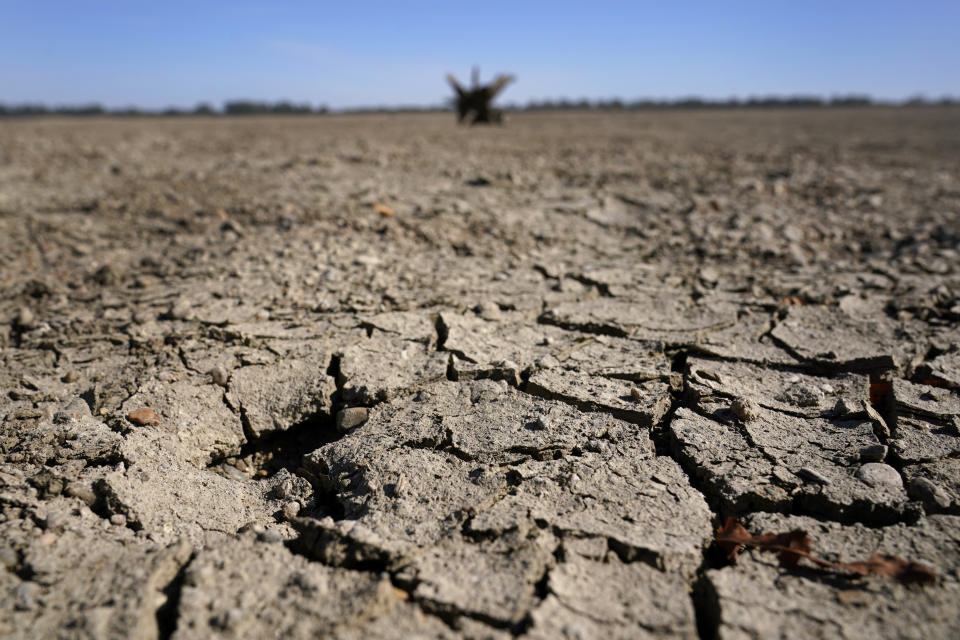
{"points": [[793, 546], [878, 391], [731, 538], [383, 210], [904, 571], [790, 546], [144, 416]]}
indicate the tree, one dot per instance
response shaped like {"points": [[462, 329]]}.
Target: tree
{"points": [[475, 105]]}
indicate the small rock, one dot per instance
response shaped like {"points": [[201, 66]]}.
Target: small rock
{"points": [[25, 318], [291, 509], [219, 376], [708, 275], [928, 492], [745, 409], [270, 536], [547, 362], [400, 487], [873, 453], [55, 520], [118, 519], [844, 407], [813, 475], [77, 409], [229, 620], [144, 416], [351, 417], [180, 309], [82, 491], [879, 423], [8, 557], [635, 394], [25, 596], [878, 474], [801, 395], [542, 422], [488, 310]]}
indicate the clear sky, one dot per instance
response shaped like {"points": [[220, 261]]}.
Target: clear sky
{"points": [[172, 52]]}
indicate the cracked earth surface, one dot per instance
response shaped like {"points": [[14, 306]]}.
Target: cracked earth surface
{"points": [[239, 400]]}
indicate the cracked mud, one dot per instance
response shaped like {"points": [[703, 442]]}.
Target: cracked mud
{"points": [[240, 402]]}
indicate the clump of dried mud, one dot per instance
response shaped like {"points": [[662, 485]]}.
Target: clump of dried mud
{"points": [[384, 377]]}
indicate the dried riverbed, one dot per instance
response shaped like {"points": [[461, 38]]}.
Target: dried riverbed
{"points": [[381, 376]]}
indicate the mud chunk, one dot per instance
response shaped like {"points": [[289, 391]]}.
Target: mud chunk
{"points": [[790, 392], [610, 599], [756, 598], [383, 367], [835, 340], [276, 397], [756, 465], [644, 403]]}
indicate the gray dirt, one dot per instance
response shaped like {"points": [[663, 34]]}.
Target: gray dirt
{"points": [[412, 380]]}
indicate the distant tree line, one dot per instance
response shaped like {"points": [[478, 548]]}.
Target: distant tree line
{"points": [[285, 107], [765, 102], [231, 107]]}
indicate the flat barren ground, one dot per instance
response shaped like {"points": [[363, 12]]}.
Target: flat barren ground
{"points": [[381, 376]]}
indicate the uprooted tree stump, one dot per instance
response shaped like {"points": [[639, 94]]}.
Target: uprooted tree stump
{"points": [[475, 105]]}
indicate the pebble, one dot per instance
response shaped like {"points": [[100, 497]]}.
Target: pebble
{"points": [[270, 536], [635, 394], [873, 453], [291, 509], [547, 362], [8, 557], [118, 519], [878, 474], [813, 475], [219, 376], [180, 309], [929, 493], [230, 619], [25, 318], [542, 422], [351, 417], [25, 596], [488, 310], [144, 416], [400, 487], [844, 407], [82, 491], [745, 409]]}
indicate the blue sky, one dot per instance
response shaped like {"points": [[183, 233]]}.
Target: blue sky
{"points": [[159, 53]]}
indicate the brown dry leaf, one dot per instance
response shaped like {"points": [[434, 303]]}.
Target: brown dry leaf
{"points": [[790, 546], [144, 416], [901, 570], [793, 546], [383, 210], [731, 537]]}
